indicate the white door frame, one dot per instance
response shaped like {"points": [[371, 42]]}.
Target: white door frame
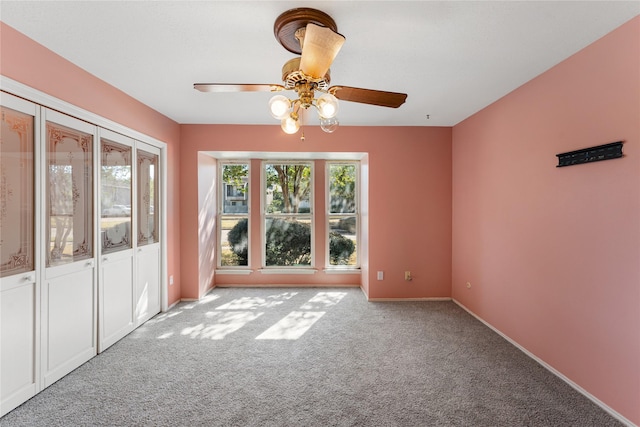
{"points": [[27, 283], [23, 91]]}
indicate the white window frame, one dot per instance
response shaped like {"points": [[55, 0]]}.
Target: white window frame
{"points": [[264, 215], [222, 192], [329, 215]]}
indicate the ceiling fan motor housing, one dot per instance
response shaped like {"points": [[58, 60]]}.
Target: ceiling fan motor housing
{"points": [[318, 34], [289, 22], [292, 76]]}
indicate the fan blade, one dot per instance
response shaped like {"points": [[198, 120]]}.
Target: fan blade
{"points": [[237, 87], [319, 49], [368, 96]]}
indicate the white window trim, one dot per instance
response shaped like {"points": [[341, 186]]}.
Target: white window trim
{"points": [[231, 270], [342, 270], [221, 193], [339, 269], [278, 269], [288, 270]]}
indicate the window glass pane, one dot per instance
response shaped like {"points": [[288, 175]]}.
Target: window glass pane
{"points": [[235, 179], [234, 239], [233, 247], [288, 188], [342, 188], [288, 205], [288, 241], [147, 198], [70, 195], [342, 240], [16, 193], [115, 196]]}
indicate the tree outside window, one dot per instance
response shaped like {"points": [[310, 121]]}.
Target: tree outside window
{"points": [[342, 214], [233, 220], [287, 207], [288, 214]]}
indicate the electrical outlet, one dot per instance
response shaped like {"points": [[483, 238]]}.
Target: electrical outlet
{"points": [[170, 280], [380, 275], [407, 276], [468, 285]]}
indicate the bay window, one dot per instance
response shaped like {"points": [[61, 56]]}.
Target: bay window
{"points": [[342, 214], [288, 214], [287, 228], [233, 214]]}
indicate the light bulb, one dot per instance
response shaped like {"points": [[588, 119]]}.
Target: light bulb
{"points": [[329, 125], [290, 125], [327, 105], [279, 106]]}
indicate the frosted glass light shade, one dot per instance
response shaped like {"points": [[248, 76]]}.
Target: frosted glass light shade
{"points": [[327, 105], [290, 125], [329, 125], [320, 47], [279, 106]]}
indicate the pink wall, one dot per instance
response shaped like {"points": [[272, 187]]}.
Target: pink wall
{"points": [[409, 215], [207, 208], [553, 254], [30, 63]]}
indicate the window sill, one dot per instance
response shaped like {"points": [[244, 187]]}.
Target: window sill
{"points": [[231, 271], [342, 271], [288, 270]]}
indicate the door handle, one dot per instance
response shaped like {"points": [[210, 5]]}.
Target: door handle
{"points": [[89, 264], [105, 259], [27, 278]]}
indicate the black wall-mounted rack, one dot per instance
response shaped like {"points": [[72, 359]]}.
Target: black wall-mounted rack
{"points": [[591, 154]]}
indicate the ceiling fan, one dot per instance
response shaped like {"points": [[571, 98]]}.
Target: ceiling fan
{"points": [[314, 35]]}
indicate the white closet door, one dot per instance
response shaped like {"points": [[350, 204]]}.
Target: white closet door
{"points": [[19, 236], [115, 284], [69, 297], [147, 208]]}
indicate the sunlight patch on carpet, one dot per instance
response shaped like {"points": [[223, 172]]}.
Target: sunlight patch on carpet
{"points": [[253, 303], [164, 316], [204, 300], [323, 300], [292, 326], [223, 324]]}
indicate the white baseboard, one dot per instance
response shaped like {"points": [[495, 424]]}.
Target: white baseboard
{"points": [[223, 285], [409, 299], [172, 305], [551, 369]]}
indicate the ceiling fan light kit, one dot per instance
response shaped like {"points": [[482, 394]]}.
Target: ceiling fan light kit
{"points": [[290, 124], [327, 105], [328, 125], [314, 35], [279, 106]]}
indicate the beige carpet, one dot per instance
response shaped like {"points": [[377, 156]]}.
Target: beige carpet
{"points": [[310, 357]]}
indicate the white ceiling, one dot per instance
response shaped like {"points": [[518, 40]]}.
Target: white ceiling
{"points": [[452, 58]]}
